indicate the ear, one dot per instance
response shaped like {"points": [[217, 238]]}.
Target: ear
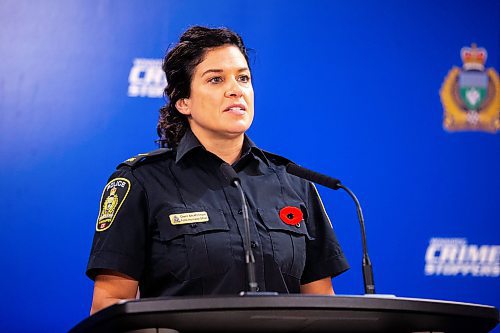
{"points": [[183, 105]]}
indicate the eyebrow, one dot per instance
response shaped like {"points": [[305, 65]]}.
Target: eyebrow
{"points": [[242, 69]]}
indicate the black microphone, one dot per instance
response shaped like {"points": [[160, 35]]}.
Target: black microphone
{"points": [[229, 173], [313, 176], [335, 184], [234, 180]]}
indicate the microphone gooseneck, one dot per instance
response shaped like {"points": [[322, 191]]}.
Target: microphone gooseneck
{"points": [[335, 184], [367, 264], [234, 180]]}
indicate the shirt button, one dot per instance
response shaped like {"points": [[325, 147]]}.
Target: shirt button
{"points": [[194, 225], [253, 244], [240, 212]]}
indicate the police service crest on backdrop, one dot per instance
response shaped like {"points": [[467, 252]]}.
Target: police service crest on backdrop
{"points": [[471, 94], [471, 101]]}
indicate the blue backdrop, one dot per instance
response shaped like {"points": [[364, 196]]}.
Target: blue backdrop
{"points": [[350, 89]]}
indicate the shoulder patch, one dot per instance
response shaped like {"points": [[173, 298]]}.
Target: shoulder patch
{"points": [[112, 198], [277, 159], [133, 161]]}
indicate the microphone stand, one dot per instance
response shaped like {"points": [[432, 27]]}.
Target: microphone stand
{"points": [[231, 175], [335, 184], [249, 257], [369, 283]]}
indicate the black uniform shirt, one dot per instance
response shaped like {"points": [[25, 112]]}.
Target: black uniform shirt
{"points": [[172, 222]]}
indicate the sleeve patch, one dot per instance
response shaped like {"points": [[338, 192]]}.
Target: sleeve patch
{"points": [[112, 198]]}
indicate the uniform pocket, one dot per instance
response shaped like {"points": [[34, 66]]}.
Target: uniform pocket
{"points": [[288, 242], [195, 247]]}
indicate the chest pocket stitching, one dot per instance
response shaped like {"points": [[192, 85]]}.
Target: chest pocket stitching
{"points": [[272, 222], [192, 245], [286, 238]]}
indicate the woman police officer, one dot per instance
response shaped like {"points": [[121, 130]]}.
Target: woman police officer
{"points": [[169, 222]]}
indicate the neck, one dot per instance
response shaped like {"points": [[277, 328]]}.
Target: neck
{"points": [[226, 148]]}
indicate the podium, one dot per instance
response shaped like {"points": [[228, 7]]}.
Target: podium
{"points": [[290, 313]]}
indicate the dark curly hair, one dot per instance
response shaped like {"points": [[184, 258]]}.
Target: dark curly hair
{"points": [[178, 65]]}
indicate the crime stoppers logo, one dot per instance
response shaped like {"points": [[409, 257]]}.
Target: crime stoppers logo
{"points": [[455, 257], [146, 78]]}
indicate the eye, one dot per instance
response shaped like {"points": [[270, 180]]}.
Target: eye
{"points": [[215, 79], [244, 78]]}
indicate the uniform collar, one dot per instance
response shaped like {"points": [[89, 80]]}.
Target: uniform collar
{"points": [[190, 142], [249, 147]]}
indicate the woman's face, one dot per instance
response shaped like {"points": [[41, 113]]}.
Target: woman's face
{"points": [[221, 104]]}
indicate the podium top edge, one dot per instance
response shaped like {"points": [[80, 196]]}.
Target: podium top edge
{"points": [[370, 306], [347, 302]]}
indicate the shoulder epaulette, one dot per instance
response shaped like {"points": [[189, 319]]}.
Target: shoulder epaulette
{"points": [[277, 159], [134, 161]]}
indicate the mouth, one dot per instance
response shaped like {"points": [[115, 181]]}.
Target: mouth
{"points": [[236, 109]]}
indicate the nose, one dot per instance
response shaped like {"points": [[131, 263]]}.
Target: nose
{"points": [[234, 89]]}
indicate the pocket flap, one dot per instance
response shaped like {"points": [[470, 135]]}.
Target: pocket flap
{"points": [[272, 221]]}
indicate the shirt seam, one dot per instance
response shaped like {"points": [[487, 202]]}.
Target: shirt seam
{"points": [[145, 193]]}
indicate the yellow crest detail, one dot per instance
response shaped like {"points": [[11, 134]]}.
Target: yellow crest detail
{"points": [[471, 95], [114, 194]]}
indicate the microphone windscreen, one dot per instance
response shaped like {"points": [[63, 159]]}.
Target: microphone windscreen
{"points": [[313, 176], [229, 173]]}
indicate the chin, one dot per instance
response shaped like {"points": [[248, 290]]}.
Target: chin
{"points": [[238, 128]]}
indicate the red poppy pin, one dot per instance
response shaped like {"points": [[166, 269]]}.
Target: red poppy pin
{"points": [[291, 215]]}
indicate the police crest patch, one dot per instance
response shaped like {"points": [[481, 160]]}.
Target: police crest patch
{"points": [[113, 196], [471, 95]]}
